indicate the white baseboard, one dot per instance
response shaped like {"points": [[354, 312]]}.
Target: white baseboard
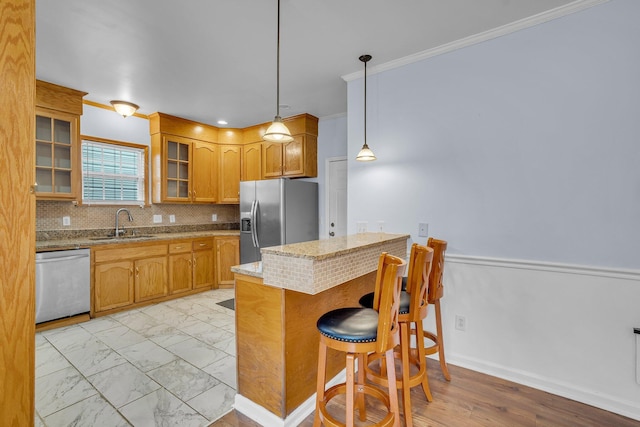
{"points": [[268, 419]]}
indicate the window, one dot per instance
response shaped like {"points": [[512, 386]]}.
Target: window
{"points": [[113, 172]]}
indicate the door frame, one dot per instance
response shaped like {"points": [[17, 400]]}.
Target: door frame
{"points": [[327, 187]]}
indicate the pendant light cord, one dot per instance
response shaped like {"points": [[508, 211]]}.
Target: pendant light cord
{"points": [[365, 102], [365, 59], [278, 66]]}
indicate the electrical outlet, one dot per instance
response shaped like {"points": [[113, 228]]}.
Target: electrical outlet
{"points": [[362, 226], [172, 218], [423, 229], [66, 221], [157, 219], [214, 217], [380, 226], [461, 323]]}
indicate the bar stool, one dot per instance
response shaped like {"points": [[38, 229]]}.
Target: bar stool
{"points": [[359, 331], [413, 309], [436, 291]]}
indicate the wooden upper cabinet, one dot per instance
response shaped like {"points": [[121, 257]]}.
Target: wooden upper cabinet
{"points": [[184, 160], [252, 162], [172, 165], [197, 163], [57, 139], [271, 159], [205, 172], [298, 158], [230, 160]]}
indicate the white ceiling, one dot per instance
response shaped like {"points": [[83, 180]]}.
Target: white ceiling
{"points": [[216, 59]]}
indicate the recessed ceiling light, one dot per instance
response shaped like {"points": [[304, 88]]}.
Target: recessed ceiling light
{"points": [[222, 122]]}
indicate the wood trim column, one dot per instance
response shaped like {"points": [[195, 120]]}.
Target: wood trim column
{"points": [[17, 212]]}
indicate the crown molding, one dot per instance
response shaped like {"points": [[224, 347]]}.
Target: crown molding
{"points": [[512, 27]]}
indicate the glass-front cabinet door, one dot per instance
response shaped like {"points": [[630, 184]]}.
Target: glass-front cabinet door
{"points": [[178, 179], [56, 147]]}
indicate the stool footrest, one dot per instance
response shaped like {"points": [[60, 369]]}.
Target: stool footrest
{"points": [[338, 389], [379, 377]]}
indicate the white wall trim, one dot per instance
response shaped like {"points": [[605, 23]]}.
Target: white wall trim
{"points": [[266, 418], [521, 24], [546, 266], [599, 400]]}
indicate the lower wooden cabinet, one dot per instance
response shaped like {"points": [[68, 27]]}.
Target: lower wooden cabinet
{"points": [[203, 263], [150, 278], [128, 274], [180, 267], [227, 255], [113, 285]]}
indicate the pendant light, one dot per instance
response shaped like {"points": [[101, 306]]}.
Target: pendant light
{"points": [[365, 154], [278, 131]]}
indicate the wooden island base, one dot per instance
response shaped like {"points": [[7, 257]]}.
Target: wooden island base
{"points": [[277, 340], [279, 301]]}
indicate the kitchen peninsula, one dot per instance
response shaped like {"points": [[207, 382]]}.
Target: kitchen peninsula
{"points": [[278, 302]]}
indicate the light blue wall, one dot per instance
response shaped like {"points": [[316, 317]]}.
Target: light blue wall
{"points": [[524, 147], [108, 124], [332, 142]]}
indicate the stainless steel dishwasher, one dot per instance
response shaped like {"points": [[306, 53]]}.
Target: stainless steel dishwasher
{"points": [[62, 284]]}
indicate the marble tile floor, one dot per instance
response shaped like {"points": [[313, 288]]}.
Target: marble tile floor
{"points": [[167, 364]]}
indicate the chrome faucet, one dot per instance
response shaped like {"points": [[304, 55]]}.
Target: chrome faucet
{"points": [[117, 226]]}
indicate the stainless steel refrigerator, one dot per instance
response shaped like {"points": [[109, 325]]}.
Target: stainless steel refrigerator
{"points": [[276, 212]]}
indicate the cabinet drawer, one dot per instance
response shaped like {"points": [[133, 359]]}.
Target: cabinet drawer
{"points": [[131, 252], [204, 243], [180, 247]]}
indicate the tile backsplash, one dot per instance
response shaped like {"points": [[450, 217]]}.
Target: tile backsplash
{"points": [[49, 215]]}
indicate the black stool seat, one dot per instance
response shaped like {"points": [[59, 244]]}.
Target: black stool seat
{"points": [[405, 301], [353, 324]]}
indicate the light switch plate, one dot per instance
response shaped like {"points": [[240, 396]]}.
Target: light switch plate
{"points": [[157, 219], [66, 221], [423, 229], [172, 218], [214, 217]]}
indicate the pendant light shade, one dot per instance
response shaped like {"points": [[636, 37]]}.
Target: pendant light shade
{"points": [[278, 132], [365, 154]]}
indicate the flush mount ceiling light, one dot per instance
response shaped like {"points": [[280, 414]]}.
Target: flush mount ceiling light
{"points": [[278, 131], [365, 154], [124, 108]]}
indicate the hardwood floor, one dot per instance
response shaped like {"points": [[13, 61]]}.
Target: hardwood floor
{"points": [[474, 399]]}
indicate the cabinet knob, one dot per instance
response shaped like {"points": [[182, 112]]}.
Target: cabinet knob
{"points": [[331, 233]]}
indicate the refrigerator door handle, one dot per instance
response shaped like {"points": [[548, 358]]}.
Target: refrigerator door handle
{"points": [[254, 224]]}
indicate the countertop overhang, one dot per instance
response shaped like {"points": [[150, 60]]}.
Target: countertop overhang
{"points": [[318, 265]]}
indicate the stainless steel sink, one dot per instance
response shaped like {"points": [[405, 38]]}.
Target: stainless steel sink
{"points": [[131, 237]]}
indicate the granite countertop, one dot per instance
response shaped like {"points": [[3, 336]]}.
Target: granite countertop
{"points": [[88, 241], [328, 248], [253, 269]]}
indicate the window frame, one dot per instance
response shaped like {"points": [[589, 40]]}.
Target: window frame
{"points": [[143, 148]]}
